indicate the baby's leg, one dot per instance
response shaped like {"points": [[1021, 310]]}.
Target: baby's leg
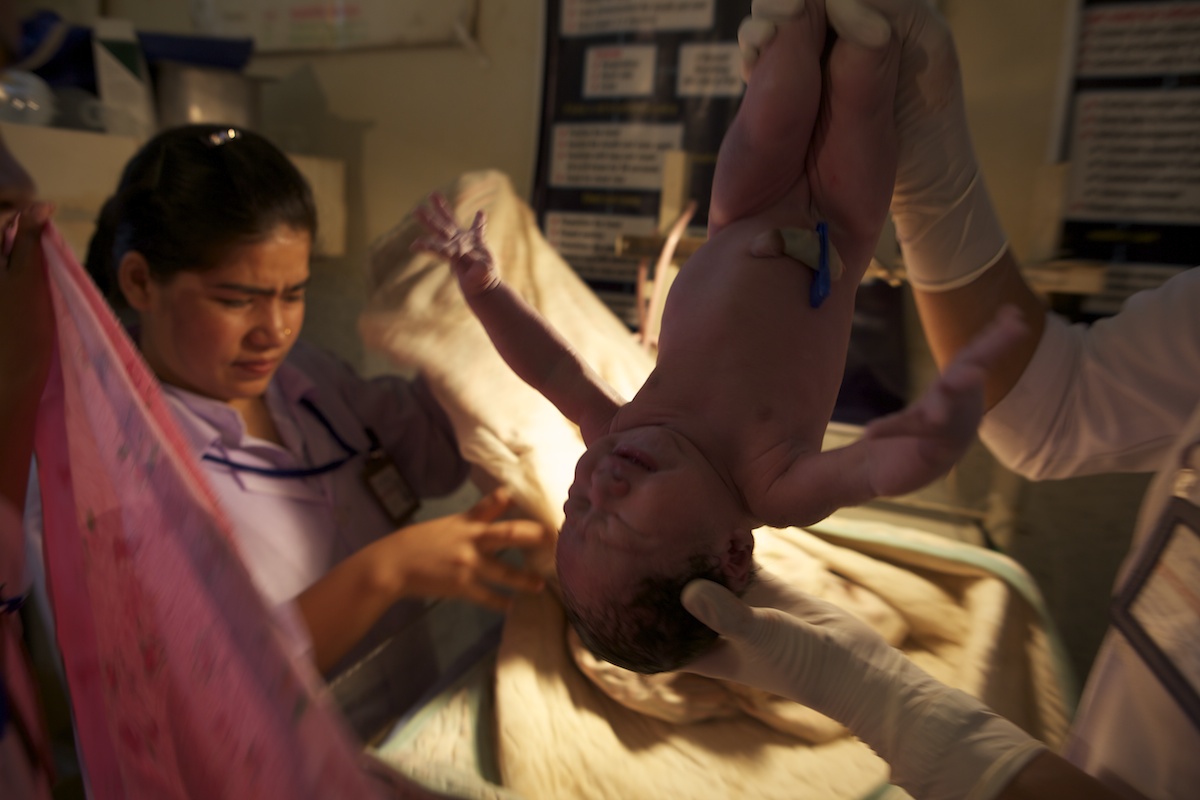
{"points": [[763, 154], [851, 159], [855, 161]]}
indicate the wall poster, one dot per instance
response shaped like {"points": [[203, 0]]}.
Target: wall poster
{"points": [[625, 82], [1133, 142], [290, 26]]}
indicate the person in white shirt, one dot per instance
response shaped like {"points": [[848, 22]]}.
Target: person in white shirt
{"points": [[1122, 395]]}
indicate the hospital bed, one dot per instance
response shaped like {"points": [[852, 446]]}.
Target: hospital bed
{"points": [[521, 710]]}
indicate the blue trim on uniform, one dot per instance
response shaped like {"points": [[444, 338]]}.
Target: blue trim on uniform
{"points": [[303, 472]]}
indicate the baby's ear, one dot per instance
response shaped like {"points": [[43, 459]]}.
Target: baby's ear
{"points": [[737, 562]]}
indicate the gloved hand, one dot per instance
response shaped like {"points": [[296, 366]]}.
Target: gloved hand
{"points": [[945, 222], [941, 743], [758, 29]]}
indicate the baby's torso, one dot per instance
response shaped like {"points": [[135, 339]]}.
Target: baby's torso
{"points": [[745, 357]]}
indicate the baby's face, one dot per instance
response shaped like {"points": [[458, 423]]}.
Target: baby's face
{"points": [[643, 500]]}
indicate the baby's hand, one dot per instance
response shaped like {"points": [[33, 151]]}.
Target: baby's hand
{"points": [[468, 255], [913, 447]]}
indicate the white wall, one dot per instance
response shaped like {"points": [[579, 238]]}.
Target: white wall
{"points": [[437, 111], [1011, 52], [406, 121]]}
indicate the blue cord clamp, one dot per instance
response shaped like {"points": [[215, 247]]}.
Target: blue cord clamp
{"points": [[822, 281]]}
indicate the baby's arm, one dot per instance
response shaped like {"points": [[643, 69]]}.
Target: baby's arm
{"points": [[534, 350], [764, 151], [901, 452]]}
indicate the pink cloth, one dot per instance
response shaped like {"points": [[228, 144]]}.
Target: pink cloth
{"points": [[179, 681]]}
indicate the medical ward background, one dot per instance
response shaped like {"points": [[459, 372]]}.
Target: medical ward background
{"points": [[413, 93]]}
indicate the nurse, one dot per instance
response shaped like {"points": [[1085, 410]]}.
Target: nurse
{"points": [[1122, 395], [204, 248]]}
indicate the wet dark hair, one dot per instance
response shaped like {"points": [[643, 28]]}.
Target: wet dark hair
{"points": [[191, 194], [652, 632]]}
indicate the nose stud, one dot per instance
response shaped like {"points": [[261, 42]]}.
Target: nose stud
{"points": [[287, 331]]}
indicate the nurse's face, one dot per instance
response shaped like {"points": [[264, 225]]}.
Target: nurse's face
{"points": [[223, 332]]}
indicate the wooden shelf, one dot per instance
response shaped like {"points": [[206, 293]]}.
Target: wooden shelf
{"points": [[1066, 277]]}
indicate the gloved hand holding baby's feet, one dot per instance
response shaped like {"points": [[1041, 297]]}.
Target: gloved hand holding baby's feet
{"points": [[855, 20], [758, 29]]}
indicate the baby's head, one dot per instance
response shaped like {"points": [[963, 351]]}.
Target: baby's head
{"points": [[648, 513]]}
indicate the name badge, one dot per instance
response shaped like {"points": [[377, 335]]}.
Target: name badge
{"points": [[1158, 608], [383, 479]]}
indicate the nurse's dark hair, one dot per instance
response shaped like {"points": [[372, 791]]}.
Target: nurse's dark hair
{"points": [[191, 194]]}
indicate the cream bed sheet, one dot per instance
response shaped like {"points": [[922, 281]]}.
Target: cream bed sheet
{"points": [[567, 726]]}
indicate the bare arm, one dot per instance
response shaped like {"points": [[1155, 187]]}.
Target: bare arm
{"points": [[535, 351], [544, 360], [26, 342], [344, 604], [18, 412], [953, 318]]}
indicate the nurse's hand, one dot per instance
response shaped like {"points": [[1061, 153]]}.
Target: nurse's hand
{"points": [[453, 556], [459, 555], [940, 743], [25, 310]]}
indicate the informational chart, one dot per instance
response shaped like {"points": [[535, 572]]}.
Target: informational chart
{"points": [[1133, 142], [626, 82]]}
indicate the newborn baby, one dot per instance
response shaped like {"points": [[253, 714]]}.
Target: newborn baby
{"points": [[726, 433]]}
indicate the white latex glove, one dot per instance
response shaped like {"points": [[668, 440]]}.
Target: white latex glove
{"points": [[941, 743], [758, 29], [945, 222]]}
